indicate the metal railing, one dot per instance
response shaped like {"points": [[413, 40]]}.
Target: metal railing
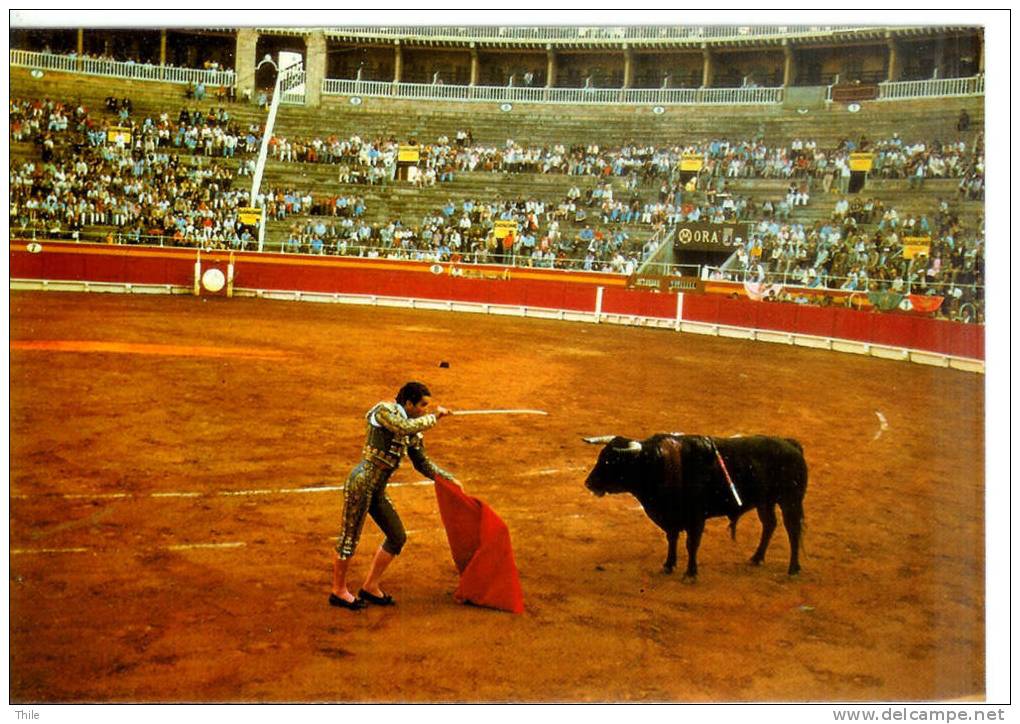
{"points": [[292, 86], [117, 69], [933, 87], [591, 34], [514, 94]]}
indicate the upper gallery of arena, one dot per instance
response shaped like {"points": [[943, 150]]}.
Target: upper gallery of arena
{"points": [[537, 59]]}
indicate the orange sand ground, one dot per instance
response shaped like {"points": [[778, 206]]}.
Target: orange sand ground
{"points": [[172, 512], [175, 350]]}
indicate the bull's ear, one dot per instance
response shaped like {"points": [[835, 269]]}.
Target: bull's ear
{"points": [[601, 440]]}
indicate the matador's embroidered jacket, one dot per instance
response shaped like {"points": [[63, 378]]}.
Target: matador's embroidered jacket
{"points": [[391, 433]]}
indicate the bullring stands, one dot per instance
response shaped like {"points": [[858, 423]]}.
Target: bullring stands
{"points": [[755, 193]]}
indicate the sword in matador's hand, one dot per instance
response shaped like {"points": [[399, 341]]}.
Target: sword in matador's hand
{"points": [[497, 412]]}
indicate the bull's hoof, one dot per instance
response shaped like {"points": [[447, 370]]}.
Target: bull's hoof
{"points": [[756, 561], [690, 578], [667, 570], [794, 571]]}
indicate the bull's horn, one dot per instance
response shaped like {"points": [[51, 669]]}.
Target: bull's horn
{"points": [[601, 440], [632, 447]]}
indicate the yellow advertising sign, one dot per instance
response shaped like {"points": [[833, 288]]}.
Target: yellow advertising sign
{"points": [[690, 162], [914, 245], [861, 161], [501, 228], [117, 134], [408, 154], [249, 216]]}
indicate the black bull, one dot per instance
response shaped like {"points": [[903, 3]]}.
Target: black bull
{"points": [[679, 482]]}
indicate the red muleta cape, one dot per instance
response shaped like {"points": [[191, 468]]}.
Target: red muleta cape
{"points": [[480, 544]]}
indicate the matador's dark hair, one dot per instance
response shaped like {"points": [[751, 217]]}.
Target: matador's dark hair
{"points": [[412, 392]]}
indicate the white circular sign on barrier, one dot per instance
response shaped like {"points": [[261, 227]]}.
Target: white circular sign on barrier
{"points": [[436, 269], [802, 111], [36, 73], [506, 107], [213, 280], [854, 107], [355, 100], [33, 248], [658, 110]]}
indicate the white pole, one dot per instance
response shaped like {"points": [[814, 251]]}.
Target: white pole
{"points": [[679, 310], [262, 227], [267, 132], [198, 272], [260, 165], [598, 304]]}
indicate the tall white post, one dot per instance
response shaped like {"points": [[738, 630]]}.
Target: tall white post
{"points": [[198, 272], [262, 228], [598, 304], [260, 165]]}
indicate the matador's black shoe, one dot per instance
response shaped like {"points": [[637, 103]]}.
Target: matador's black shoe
{"points": [[383, 600], [356, 605]]}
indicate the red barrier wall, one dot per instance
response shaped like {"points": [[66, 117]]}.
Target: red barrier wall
{"points": [[545, 288], [639, 303]]}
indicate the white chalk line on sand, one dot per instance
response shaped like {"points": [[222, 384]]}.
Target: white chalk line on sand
{"points": [[190, 546], [264, 491], [175, 547], [261, 491], [884, 425]]}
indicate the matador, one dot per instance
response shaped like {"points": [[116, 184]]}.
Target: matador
{"points": [[393, 429]]}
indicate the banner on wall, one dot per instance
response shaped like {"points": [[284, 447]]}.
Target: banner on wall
{"points": [[118, 134], [691, 162], [914, 245], [408, 154], [921, 304], [885, 300], [698, 236], [249, 216], [759, 290], [659, 283], [501, 228], [861, 161]]}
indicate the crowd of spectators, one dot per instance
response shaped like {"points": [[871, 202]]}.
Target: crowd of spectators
{"points": [[143, 186], [136, 184], [840, 253], [463, 232], [750, 158]]}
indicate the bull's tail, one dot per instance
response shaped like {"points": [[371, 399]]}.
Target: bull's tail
{"points": [[803, 534], [733, 526]]}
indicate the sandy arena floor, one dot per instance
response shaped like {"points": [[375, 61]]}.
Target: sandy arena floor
{"points": [[171, 541]]}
